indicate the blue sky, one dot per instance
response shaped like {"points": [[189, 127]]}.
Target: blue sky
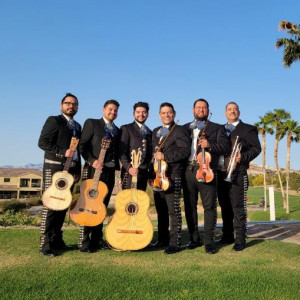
{"points": [[135, 50]]}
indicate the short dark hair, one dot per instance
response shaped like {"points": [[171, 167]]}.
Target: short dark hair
{"points": [[232, 103], [115, 102], [203, 100], [69, 95], [167, 104], [141, 104]]}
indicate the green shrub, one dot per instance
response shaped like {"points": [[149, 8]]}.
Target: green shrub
{"points": [[12, 218], [14, 205]]}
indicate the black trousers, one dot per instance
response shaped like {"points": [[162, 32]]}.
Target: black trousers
{"points": [[168, 209], [52, 221], [142, 179], [92, 236], [232, 199], [208, 193]]}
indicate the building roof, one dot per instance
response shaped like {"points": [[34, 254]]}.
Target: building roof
{"points": [[16, 172]]}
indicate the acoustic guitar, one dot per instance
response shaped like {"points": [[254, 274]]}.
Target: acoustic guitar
{"points": [[89, 209], [58, 195], [130, 228]]}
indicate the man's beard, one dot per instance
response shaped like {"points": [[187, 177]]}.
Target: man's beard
{"points": [[201, 119], [139, 121]]}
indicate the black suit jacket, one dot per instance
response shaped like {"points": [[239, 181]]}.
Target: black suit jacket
{"points": [[176, 149], [217, 138], [131, 139], [55, 139], [91, 141], [248, 137]]}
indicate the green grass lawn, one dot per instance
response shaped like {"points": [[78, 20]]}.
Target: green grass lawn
{"points": [[264, 270], [254, 196]]}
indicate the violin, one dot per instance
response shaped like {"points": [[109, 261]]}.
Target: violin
{"points": [[204, 173], [161, 181]]}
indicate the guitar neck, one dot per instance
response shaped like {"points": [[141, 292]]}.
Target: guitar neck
{"points": [[97, 174], [134, 181], [67, 164]]}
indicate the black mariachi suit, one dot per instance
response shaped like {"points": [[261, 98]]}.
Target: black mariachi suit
{"points": [[219, 144], [232, 196], [176, 151], [90, 147], [132, 139], [55, 139]]}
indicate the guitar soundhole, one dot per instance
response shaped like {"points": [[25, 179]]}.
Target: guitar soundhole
{"points": [[131, 208], [93, 193], [61, 184]]}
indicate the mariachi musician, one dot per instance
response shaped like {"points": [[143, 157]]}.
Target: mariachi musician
{"points": [[233, 185], [55, 140], [136, 136], [211, 138], [172, 157], [94, 130]]}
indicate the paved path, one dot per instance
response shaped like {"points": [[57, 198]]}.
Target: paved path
{"points": [[285, 231]]}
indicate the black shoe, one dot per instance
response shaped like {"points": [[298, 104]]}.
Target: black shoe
{"points": [[210, 249], [172, 250], [159, 244], [191, 245], [103, 246], [225, 241], [85, 250], [238, 247], [63, 246], [49, 253]]}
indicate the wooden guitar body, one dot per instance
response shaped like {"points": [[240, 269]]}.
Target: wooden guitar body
{"points": [[130, 227], [89, 209], [58, 195]]}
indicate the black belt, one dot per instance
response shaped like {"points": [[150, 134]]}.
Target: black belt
{"points": [[54, 162]]}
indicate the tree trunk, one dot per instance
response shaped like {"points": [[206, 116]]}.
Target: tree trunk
{"points": [[287, 170], [278, 171], [264, 168]]}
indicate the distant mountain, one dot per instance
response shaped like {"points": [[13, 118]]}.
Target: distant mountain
{"points": [[28, 166]]}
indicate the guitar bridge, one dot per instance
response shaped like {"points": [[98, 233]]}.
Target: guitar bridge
{"points": [[130, 231], [58, 198], [88, 211]]}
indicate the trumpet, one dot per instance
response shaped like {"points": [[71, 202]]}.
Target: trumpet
{"points": [[232, 163]]}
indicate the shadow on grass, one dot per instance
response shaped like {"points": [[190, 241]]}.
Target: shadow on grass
{"points": [[278, 232]]}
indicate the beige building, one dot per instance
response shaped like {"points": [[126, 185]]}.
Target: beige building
{"points": [[16, 183]]}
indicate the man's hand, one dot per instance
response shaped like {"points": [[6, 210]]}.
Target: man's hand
{"points": [[159, 156], [203, 143], [69, 153], [96, 164], [133, 171]]}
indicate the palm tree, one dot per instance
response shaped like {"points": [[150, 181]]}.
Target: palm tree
{"points": [[292, 135], [263, 127], [291, 52], [277, 119]]}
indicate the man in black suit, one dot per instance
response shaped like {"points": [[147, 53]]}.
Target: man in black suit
{"points": [[55, 140], [232, 193], [212, 138], [136, 136], [94, 130], [171, 145]]}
